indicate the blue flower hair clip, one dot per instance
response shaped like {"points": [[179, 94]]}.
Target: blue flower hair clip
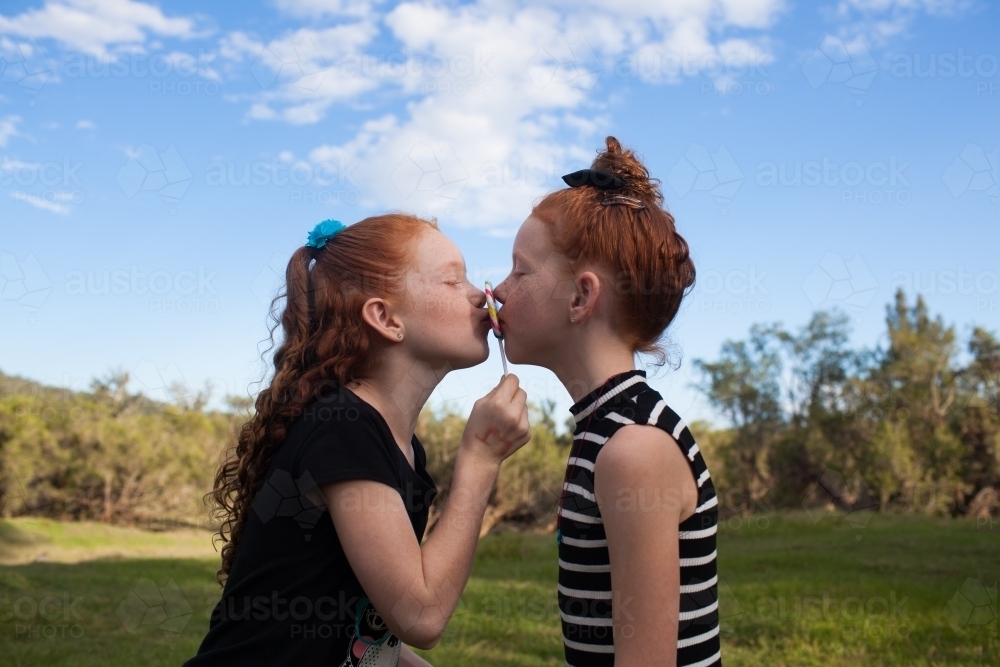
{"points": [[323, 232]]}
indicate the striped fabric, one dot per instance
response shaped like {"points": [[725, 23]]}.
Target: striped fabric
{"points": [[585, 600]]}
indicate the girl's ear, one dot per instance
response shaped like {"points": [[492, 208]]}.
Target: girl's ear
{"points": [[583, 302], [378, 315]]}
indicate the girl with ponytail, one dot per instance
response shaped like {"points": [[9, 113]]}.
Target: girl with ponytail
{"points": [[599, 272], [325, 499]]}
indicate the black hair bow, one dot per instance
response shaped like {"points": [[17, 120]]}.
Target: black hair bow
{"points": [[601, 180]]}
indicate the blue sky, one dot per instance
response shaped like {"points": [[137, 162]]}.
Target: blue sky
{"points": [[159, 162]]}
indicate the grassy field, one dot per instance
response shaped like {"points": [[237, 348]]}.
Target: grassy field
{"points": [[895, 591]]}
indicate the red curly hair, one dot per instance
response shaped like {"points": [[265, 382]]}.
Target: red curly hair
{"points": [[325, 342]]}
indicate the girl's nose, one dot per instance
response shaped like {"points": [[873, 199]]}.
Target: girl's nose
{"points": [[500, 292]]}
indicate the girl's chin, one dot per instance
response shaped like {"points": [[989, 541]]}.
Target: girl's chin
{"points": [[512, 352], [474, 352], [531, 357]]}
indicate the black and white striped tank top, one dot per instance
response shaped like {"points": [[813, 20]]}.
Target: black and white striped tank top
{"points": [[585, 598]]}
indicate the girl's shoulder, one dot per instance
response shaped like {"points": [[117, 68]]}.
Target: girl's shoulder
{"points": [[339, 439], [652, 409], [341, 414]]}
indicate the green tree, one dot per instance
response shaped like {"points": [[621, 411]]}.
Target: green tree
{"points": [[911, 450], [745, 386]]}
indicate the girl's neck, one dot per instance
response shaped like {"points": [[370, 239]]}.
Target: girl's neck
{"points": [[585, 366], [399, 389]]}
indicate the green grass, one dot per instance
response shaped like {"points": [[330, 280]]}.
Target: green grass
{"points": [[793, 592], [832, 593], [42, 540]]}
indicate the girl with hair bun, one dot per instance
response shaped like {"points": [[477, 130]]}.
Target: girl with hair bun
{"points": [[599, 273], [325, 499]]}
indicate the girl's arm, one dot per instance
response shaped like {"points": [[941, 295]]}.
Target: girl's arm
{"points": [[643, 486], [416, 588]]}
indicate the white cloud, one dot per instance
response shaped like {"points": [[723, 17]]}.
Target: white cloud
{"points": [[85, 125], [9, 166], [751, 13], [24, 64], [316, 8], [481, 137], [19, 172], [500, 97], [92, 26], [878, 21], [8, 128], [302, 73], [935, 7], [53, 206], [189, 64]]}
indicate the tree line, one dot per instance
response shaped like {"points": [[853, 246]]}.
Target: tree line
{"points": [[112, 455], [911, 425]]}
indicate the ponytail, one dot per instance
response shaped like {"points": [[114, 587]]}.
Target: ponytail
{"points": [[325, 343]]}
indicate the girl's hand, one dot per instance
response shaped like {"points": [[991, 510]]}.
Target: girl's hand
{"points": [[498, 425]]}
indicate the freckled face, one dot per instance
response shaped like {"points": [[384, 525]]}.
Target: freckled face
{"points": [[535, 296], [443, 314]]}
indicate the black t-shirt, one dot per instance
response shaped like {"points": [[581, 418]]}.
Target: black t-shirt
{"points": [[292, 597]]}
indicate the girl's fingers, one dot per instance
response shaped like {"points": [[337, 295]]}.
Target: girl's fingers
{"points": [[507, 388]]}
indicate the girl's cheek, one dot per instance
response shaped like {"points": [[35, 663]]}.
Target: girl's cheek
{"points": [[513, 299]]}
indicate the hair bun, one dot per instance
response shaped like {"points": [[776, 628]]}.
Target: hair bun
{"points": [[624, 164]]}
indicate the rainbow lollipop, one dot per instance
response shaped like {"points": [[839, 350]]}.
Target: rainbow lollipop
{"points": [[495, 323]]}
